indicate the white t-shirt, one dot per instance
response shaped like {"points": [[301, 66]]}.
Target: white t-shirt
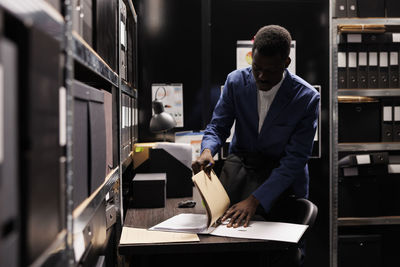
{"points": [[264, 101]]}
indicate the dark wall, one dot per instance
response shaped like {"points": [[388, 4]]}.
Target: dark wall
{"points": [[195, 43], [169, 48]]}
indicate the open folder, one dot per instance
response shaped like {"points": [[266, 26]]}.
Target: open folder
{"points": [[216, 202]]}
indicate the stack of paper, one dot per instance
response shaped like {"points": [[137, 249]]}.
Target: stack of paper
{"points": [[217, 202], [142, 236]]}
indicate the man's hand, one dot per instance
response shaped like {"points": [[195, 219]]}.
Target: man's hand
{"points": [[204, 162], [242, 211]]}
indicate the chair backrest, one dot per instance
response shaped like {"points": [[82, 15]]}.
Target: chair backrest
{"points": [[295, 210], [308, 210]]}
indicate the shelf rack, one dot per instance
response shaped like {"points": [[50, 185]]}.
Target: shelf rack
{"points": [[41, 15], [335, 146]]}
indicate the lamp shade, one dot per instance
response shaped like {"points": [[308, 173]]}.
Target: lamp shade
{"points": [[161, 120]]}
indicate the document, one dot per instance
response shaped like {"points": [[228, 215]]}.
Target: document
{"points": [[276, 231], [142, 236], [214, 196], [197, 223], [216, 202]]}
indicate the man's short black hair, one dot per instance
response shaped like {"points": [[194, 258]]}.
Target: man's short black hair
{"points": [[271, 40]]}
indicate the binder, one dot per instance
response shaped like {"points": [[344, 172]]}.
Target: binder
{"points": [[352, 70], [394, 67], [387, 120], [89, 138], [341, 8], [9, 189], [97, 140], [39, 124], [106, 31], [372, 70], [362, 75], [87, 21], [364, 170], [351, 8], [359, 122], [396, 120], [383, 69], [374, 158], [371, 8], [342, 70], [123, 40], [109, 131], [392, 8]]}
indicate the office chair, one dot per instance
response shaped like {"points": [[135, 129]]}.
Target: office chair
{"points": [[299, 211]]}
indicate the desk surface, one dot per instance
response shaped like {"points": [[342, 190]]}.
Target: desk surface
{"points": [[146, 218]]}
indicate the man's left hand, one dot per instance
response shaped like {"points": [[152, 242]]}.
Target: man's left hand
{"points": [[241, 212]]}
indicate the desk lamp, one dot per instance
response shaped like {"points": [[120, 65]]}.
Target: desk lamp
{"points": [[161, 121]]}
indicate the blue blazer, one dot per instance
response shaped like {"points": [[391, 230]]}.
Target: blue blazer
{"points": [[287, 133]]}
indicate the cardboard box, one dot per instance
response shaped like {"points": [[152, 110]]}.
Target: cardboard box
{"points": [[149, 190]]}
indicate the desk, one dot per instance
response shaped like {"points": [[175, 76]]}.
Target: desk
{"points": [[219, 249]]}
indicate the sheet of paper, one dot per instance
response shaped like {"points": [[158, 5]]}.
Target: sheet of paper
{"points": [[142, 236], [184, 222], [276, 231], [182, 152], [213, 194]]}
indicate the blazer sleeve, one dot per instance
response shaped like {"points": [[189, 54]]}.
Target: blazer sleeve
{"points": [[218, 130], [293, 163]]}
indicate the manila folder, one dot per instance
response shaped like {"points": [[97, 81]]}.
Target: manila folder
{"points": [[214, 196]]}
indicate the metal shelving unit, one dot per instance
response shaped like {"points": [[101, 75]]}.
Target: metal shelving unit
{"points": [[37, 13], [337, 222], [85, 55], [41, 15]]}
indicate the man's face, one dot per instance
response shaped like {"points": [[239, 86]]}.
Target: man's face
{"points": [[268, 70]]}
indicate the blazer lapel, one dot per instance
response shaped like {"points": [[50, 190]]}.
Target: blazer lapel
{"points": [[281, 100]]}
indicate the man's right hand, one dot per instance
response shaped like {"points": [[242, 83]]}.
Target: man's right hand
{"points": [[204, 162]]}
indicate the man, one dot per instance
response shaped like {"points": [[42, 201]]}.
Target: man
{"points": [[276, 117]]}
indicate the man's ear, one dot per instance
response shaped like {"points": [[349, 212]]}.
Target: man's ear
{"points": [[287, 62]]}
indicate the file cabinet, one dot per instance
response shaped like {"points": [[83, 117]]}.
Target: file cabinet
{"points": [[364, 113]]}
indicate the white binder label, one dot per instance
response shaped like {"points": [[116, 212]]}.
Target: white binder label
{"points": [[396, 37], [373, 58], [397, 113], [363, 159], [352, 60], [62, 98], [354, 38], [362, 58], [342, 60], [383, 59], [394, 58], [387, 113], [393, 168]]}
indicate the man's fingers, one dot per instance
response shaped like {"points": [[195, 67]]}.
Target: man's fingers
{"points": [[239, 220], [248, 218], [207, 169], [196, 167], [227, 214], [234, 219]]}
